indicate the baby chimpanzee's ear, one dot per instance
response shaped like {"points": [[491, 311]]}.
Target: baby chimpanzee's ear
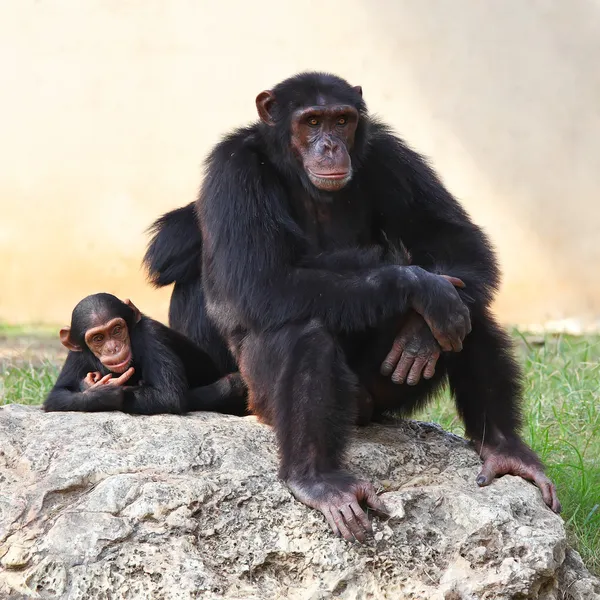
{"points": [[67, 342], [137, 315]]}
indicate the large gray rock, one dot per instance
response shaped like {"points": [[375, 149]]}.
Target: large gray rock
{"points": [[113, 506]]}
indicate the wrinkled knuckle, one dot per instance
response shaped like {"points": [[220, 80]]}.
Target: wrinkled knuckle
{"points": [[398, 345]]}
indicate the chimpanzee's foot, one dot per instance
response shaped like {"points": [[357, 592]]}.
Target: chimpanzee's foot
{"points": [[339, 495], [515, 459]]}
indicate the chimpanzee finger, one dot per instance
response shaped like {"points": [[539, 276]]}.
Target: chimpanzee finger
{"points": [[399, 375], [362, 516], [548, 490], [429, 371], [417, 368], [101, 382], [124, 377], [486, 475], [341, 525], [374, 502], [440, 337], [455, 281], [456, 342], [544, 487], [329, 517], [469, 326], [444, 342], [556, 505], [354, 525], [391, 360]]}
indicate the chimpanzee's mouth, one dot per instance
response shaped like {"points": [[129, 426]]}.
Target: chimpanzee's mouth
{"points": [[341, 175], [119, 367], [330, 181]]}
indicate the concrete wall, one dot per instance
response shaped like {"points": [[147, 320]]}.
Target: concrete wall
{"points": [[108, 107]]}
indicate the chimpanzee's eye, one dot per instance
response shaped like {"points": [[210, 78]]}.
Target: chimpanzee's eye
{"points": [[342, 121], [97, 338], [313, 121], [117, 330]]}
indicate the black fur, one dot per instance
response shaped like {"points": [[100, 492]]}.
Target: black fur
{"points": [[306, 301], [311, 305], [172, 374], [174, 256]]}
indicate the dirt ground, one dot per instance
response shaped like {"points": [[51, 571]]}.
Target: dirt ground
{"points": [[30, 349]]}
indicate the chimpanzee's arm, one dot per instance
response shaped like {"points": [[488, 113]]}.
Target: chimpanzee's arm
{"points": [[415, 208], [360, 259], [250, 263], [346, 259], [67, 394], [164, 384]]}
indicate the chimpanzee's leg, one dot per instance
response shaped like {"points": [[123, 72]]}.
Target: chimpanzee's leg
{"points": [[486, 382], [299, 383], [366, 353]]}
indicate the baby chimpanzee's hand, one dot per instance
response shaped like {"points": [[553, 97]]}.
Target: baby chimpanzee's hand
{"points": [[94, 380], [91, 379]]}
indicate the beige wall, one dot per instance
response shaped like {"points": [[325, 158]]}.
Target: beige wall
{"points": [[108, 107]]}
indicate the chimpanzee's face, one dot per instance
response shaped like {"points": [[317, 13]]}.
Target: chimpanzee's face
{"points": [[111, 345], [322, 138]]}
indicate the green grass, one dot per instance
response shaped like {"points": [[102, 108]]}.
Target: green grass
{"points": [[26, 384], [562, 416], [36, 330], [562, 424]]}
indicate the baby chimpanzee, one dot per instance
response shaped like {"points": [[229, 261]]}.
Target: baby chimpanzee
{"points": [[122, 360]]}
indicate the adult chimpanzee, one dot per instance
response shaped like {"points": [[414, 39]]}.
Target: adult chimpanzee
{"points": [[121, 360], [298, 213]]}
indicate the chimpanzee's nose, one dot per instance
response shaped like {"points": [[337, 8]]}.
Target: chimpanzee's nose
{"points": [[330, 145]]}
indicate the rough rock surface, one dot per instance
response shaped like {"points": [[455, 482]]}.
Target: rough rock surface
{"points": [[113, 506]]}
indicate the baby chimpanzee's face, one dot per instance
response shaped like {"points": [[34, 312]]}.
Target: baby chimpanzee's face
{"points": [[111, 345]]}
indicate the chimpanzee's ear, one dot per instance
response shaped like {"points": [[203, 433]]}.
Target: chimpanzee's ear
{"points": [[67, 342], [358, 88], [137, 315], [265, 103]]}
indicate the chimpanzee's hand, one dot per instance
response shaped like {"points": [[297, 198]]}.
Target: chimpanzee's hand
{"points": [[436, 299], [91, 379], [339, 497], [107, 379], [414, 352], [515, 458]]}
